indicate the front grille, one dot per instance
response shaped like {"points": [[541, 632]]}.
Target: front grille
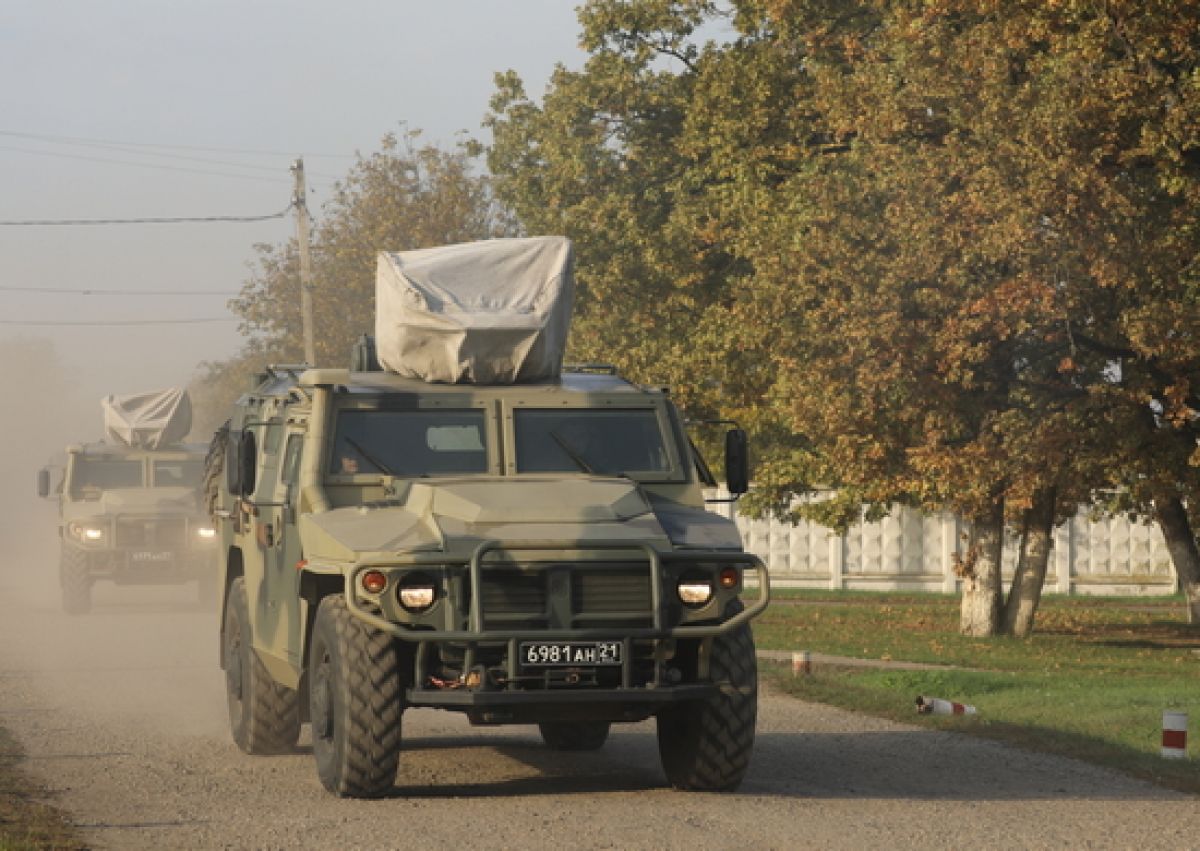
{"points": [[568, 596], [511, 592], [132, 532], [610, 591]]}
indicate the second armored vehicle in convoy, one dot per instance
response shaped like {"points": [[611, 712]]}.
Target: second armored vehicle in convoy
{"points": [[130, 507], [519, 542]]}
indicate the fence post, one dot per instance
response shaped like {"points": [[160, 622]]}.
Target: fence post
{"points": [[837, 560], [949, 546], [1063, 555]]}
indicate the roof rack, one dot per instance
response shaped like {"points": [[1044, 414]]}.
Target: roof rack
{"points": [[593, 368], [286, 370]]}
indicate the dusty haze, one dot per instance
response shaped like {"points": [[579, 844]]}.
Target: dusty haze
{"points": [[46, 407], [121, 713]]}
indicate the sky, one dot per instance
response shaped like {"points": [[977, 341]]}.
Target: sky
{"points": [[115, 109]]}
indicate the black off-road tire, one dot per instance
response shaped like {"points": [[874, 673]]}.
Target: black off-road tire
{"points": [[574, 735], [264, 716], [356, 700], [75, 581], [706, 745], [214, 469]]}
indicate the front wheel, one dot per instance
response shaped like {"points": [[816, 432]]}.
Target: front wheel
{"points": [[75, 582], [574, 735], [264, 716], [355, 702], [705, 745]]}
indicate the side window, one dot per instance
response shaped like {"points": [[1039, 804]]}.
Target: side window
{"points": [[291, 459], [269, 462], [271, 438]]}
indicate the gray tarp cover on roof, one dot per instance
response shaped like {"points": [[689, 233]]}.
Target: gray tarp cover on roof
{"points": [[148, 420], [490, 312]]}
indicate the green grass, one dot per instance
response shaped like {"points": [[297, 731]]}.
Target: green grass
{"points": [[1091, 683], [25, 822]]}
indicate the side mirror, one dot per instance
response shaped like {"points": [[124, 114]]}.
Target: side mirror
{"points": [[247, 463], [737, 461], [43, 483], [233, 482]]}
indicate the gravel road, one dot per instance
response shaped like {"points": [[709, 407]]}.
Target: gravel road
{"points": [[122, 714]]}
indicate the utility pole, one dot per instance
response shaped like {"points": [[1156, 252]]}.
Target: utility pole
{"points": [[299, 194]]}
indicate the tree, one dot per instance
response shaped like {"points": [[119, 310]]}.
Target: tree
{"points": [[605, 159], [402, 197], [1021, 196], [906, 242]]}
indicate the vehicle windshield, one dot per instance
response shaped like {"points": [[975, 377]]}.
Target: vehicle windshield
{"points": [[178, 474], [409, 443], [603, 442], [90, 476]]}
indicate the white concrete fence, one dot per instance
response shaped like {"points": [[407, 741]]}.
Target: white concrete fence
{"points": [[913, 551]]}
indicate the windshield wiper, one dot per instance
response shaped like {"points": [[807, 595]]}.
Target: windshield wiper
{"points": [[370, 459], [573, 454]]}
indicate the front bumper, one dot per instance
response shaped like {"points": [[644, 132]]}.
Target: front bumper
{"points": [[476, 631], [493, 685], [149, 567]]}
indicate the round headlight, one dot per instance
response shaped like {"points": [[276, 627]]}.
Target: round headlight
{"points": [[695, 592], [417, 593]]}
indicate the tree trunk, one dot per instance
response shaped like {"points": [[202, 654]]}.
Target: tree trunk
{"points": [[981, 597], [1181, 544], [1026, 591]]}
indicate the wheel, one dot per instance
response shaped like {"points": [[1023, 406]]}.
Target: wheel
{"points": [[355, 703], [574, 735], [214, 468], [264, 716], [75, 581], [706, 745]]}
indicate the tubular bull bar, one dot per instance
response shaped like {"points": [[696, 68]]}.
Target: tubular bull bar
{"points": [[625, 695], [474, 564]]}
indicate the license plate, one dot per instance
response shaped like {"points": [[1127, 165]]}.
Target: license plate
{"points": [[150, 555], [571, 653]]}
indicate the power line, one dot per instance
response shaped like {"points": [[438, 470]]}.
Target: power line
{"points": [[141, 152], [79, 140], [118, 322], [159, 166], [147, 153], [93, 291], [147, 149], [164, 220]]}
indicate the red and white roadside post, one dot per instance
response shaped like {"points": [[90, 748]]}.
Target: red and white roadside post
{"points": [[937, 706], [1174, 735]]}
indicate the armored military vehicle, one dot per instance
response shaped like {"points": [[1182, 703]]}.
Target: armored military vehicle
{"points": [[130, 506], [516, 541]]}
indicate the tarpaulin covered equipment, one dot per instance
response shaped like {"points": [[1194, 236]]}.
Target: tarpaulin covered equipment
{"points": [[148, 420], [490, 312]]}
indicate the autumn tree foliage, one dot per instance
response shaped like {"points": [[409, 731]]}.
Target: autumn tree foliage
{"points": [[938, 252]]}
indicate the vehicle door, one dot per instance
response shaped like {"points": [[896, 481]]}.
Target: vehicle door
{"points": [[278, 544]]}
